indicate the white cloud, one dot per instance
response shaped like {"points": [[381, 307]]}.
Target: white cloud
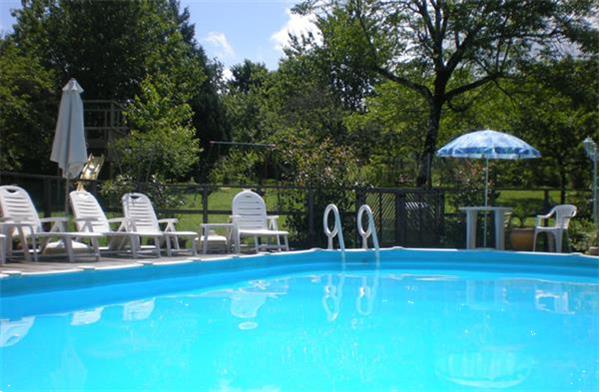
{"points": [[219, 43], [297, 25], [227, 75]]}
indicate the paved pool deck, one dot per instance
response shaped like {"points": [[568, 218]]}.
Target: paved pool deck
{"points": [[51, 265]]}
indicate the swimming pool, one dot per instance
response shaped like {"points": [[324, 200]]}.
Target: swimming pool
{"points": [[411, 320]]}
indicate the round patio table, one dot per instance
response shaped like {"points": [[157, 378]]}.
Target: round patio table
{"points": [[499, 213]]}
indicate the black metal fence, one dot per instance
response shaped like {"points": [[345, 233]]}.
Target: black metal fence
{"points": [[404, 217]]}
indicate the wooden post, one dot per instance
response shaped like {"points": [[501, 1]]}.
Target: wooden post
{"points": [[47, 197], [204, 204], [400, 219]]}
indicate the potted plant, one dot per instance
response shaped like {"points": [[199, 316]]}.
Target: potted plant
{"points": [[521, 237]]}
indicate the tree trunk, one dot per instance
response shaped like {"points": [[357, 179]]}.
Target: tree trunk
{"points": [[433, 126]]}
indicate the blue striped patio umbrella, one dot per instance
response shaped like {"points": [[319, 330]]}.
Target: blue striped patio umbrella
{"points": [[488, 145]]}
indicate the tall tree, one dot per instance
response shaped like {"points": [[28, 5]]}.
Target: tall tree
{"points": [[424, 45]]}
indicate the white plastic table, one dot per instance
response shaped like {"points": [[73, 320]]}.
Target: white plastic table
{"points": [[205, 231], [499, 213]]}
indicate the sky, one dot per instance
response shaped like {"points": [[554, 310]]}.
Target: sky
{"points": [[229, 30]]}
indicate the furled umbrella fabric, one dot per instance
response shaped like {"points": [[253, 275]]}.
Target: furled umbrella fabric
{"points": [[69, 149]]}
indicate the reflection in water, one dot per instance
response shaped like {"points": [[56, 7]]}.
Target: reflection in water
{"points": [[11, 332], [332, 296], [332, 293], [488, 368], [138, 310], [366, 292], [86, 317], [552, 299], [485, 294], [247, 301]]}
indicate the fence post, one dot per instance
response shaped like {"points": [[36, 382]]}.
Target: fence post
{"points": [[47, 198], [400, 219], [546, 200], [204, 204], [311, 218], [359, 200], [440, 211]]}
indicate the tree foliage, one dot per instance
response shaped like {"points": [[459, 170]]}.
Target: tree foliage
{"points": [[26, 110], [428, 46]]}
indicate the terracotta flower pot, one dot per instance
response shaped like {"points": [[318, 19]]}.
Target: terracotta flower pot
{"points": [[521, 239]]}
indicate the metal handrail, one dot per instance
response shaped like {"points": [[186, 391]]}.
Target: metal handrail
{"points": [[371, 229], [337, 227]]}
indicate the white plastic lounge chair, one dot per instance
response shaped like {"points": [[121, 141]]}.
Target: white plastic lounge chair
{"points": [[20, 214], [141, 219], [250, 219], [564, 213], [89, 217]]}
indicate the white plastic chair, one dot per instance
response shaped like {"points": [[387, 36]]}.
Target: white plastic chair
{"points": [[563, 214], [19, 213], [250, 219], [89, 217], [142, 220]]}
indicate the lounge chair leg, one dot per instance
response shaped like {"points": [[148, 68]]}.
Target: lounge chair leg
{"points": [[194, 251], [157, 245], [135, 245], [256, 244], [534, 239], [96, 248], [69, 249], [168, 243], [237, 243], [34, 248], [285, 240]]}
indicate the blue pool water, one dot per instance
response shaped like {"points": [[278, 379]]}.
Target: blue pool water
{"points": [[319, 329]]}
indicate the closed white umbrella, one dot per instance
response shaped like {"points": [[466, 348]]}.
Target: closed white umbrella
{"points": [[69, 149]]}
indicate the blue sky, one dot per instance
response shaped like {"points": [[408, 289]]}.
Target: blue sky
{"points": [[230, 30]]}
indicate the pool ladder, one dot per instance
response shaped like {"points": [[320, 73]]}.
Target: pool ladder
{"points": [[371, 229], [337, 227], [338, 230]]}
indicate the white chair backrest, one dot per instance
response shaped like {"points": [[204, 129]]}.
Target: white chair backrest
{"points": [[16, 204], [138, 210], [249, 211], [85, 205], [564, 213]]}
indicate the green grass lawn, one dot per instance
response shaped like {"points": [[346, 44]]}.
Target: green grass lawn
{"points": [[532, 202]]}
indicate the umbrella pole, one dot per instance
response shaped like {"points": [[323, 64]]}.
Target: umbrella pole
{"points": [[485, 198]]}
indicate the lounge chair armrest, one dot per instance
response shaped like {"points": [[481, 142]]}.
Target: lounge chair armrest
{"points": [[273, 221], [58, 223], [57, 219], [19, 226], [87, 223], [86, 219], [233, 218], [117, 220], [170, 223], [168, 220]]}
